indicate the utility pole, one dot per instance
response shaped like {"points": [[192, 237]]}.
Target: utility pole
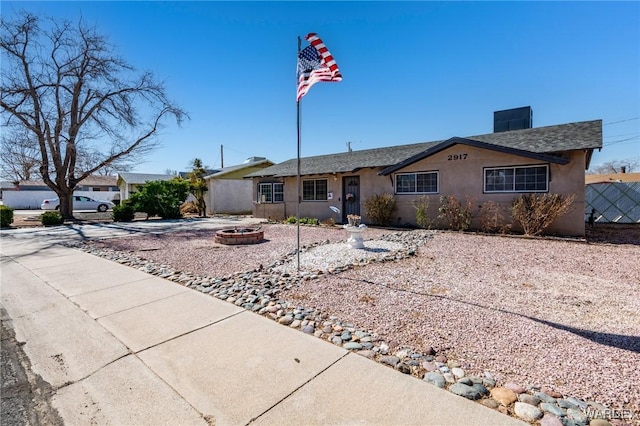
{"points": [[221, 156]]}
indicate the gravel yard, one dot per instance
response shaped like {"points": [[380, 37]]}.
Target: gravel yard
{"points": [[562, 315]]}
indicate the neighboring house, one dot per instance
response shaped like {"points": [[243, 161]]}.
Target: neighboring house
{"points": [[613, 198], [128, 183], [228, 191], [29, 194], [495, 167]]}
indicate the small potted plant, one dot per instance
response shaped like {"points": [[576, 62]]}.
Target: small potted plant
{"points": [[353, 219]]}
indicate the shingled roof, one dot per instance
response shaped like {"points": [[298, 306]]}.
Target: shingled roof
{"points": [[541, 140]]}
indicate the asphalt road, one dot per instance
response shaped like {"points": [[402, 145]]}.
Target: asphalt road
{"points": [[84, 231]]}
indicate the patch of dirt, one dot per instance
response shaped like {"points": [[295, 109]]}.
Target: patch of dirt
{"points": [[26, 398], [614, 233]]}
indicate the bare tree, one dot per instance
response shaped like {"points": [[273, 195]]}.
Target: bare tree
{"points": [[87, 160], [63, 83], [19, 156], [617, 166]]}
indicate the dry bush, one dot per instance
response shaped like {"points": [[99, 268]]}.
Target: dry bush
{"points": [[455, 213], [328, 222], [189, 208], [492, 218], [536, 212], [381, 209]]}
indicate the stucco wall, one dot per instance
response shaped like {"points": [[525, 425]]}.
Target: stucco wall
{"points": [[463, 178], [229, 196], [313, 209]]}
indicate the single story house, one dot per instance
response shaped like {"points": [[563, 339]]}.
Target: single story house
{"points": [[495, 167], [228, 191], [29, 194], [128, 183]]}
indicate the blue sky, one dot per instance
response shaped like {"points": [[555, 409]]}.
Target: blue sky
{"points": [[412, 71]]}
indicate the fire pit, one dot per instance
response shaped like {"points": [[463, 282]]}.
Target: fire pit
{"points": [[236, 236]]}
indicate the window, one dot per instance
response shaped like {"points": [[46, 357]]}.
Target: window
{"points": [[517, 179], [314, 190], [271, 192], [417, 183]]}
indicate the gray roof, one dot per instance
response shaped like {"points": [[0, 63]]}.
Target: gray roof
{"points": [[229, 169], [550, 158], [558, 138], [549, 139], [139, 178]]}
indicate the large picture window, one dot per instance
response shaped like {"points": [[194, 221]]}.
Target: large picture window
{"points": [[314, 190], [271, 192], [517, 179], [417, 183]]}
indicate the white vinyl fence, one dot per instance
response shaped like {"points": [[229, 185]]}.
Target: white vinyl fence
{"points": [[31, 200]]}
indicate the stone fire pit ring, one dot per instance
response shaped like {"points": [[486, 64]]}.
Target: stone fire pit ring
{"points": [[239, 235]]}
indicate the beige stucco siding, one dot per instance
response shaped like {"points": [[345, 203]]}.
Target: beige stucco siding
{"points": [[312, 209], [229, 196]]}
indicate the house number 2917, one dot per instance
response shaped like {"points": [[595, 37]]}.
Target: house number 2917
{"points": [[453, 157]]}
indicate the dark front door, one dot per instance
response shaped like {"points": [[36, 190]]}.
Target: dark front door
{"points": [[350, 196]]}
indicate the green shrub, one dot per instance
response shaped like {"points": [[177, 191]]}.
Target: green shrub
{"points": [[123, 213], [381, 209], [291, 219], [161, 198], [535, 212], [51, 218], [456, 215], [303, 220], [421, 204], [6, 216]]}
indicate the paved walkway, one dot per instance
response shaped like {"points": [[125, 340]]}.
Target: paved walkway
{"points": [[121, 347]]}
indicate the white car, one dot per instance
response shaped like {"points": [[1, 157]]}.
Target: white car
{"points": [[80, 202]]}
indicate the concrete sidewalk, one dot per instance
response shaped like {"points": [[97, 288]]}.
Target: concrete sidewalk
{"points": [[121, 347]]}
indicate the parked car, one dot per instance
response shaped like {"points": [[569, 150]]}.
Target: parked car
{"points": [[80, 202]]}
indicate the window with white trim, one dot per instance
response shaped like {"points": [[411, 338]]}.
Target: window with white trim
{"points": [[314, 190], [417, 183], [517, 179], [271, 192]]}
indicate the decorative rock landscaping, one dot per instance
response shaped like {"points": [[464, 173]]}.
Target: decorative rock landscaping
{"points": [[257, 290]]}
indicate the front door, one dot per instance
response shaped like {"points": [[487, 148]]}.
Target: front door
{"points": [[350, 196]]}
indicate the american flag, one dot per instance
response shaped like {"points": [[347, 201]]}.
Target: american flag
{"points": [[315, 64]]}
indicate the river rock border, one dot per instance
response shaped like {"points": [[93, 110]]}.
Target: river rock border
{"points": [[257, 290]]}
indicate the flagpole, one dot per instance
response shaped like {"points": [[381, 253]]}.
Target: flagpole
{"points": [[298, 174]]}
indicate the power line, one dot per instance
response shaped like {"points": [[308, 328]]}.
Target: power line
{"points": [[621, 140], [235, 150], [622, 121]]}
